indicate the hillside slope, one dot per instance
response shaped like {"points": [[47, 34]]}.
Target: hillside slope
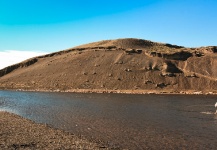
{"points": [[122, 64]]}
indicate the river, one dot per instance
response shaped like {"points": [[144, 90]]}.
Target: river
{"points": [[123, 120]]}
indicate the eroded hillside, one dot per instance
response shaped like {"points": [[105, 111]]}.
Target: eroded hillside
{"points": [[123, 64]]}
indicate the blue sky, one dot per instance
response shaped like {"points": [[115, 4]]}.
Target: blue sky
{"points": [[48, 26]]}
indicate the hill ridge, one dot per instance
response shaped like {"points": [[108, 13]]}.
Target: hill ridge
{"points": [[122, 64]]}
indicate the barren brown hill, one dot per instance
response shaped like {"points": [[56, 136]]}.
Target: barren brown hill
{"points": [[122, 64]]}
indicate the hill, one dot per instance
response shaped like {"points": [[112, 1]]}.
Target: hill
{"points": [[122, 65]]}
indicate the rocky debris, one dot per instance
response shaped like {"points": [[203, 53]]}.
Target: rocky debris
{"points": [[161, 85], [127, 70], [154, 54], [171, 67], [168, 74], [148, 82], [132, 51], [193, 75], [19, 133], [84, 73], [182, 55], [214, 49], [199, 54]]}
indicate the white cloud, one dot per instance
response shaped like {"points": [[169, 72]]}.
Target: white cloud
{"points": [[11, 57]]}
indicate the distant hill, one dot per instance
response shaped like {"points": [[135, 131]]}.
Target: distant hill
{"points": [[118, 65]]}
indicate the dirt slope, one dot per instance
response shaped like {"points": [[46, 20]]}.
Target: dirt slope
{"points": [[122, 64]]}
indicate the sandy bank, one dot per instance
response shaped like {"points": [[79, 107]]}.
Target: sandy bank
{"points": [[19, 133], [189, 92]]}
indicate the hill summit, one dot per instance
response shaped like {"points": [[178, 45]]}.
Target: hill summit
{"points": [[122, 65]]}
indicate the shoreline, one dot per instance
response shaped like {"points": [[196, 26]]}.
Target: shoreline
{"points": [[167, 92], [20, 133]]}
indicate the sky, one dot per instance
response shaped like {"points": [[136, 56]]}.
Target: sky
{"points": [[36, 27]]}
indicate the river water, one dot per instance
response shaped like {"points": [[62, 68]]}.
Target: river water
{"points": [[122, 120]]}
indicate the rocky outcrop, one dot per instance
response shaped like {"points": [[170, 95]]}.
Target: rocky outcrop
{"points": [[16, 66], [182, 55]]}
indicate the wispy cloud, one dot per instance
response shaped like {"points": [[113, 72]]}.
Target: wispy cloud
{"points": [[10, 57]]}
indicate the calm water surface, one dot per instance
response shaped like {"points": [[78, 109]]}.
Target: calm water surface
{"points": [[124, 121]]}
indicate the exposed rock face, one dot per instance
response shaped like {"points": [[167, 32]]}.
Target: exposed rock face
{"points": [[16, 66], [123, 64]]}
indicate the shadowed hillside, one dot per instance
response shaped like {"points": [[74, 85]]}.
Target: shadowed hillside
{"points": [[122, 64]]}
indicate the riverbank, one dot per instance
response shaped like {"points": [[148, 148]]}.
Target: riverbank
{"points": [[19, 133], [135, 91]]}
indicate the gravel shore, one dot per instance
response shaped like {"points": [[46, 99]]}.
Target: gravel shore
{"points": [[19, 133]]}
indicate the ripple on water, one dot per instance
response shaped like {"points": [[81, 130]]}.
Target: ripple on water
{"points": [[208, 112], [131, 121]]}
